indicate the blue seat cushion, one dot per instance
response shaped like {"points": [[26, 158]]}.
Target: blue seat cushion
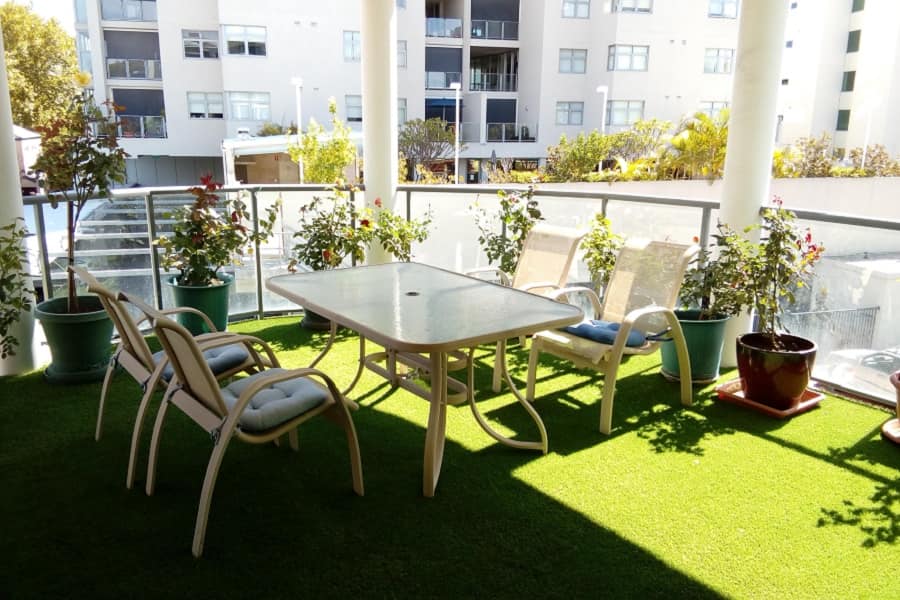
{"points": [[605, 332], [275, 404], [220, 360]]}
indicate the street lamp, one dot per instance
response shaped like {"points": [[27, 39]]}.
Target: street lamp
{"points": [[455, 86], [603, 89], [298, 89]]}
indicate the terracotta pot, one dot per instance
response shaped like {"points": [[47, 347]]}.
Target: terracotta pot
{"points": [[776, 378]]}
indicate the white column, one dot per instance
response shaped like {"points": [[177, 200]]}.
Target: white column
{"points": [[751, 130], [379, 103], [11, 209]]}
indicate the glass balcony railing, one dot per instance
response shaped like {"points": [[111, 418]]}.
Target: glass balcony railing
{"points": [[128, 10], [441, 80], [849, 309], [133, 68], [494, 30], [492, 82], [142, 126], [443, 28], [509, 132]]}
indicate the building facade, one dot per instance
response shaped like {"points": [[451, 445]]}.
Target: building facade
{"points": [[192, 74]]}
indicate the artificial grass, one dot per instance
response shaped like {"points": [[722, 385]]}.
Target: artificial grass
{"points": [[711, 500]]}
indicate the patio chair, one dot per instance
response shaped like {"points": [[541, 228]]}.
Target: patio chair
{"points": [[258, 409], [891, 428], [544, 263], [152, 370], [639, 299]]}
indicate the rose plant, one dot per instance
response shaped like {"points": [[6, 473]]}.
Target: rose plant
{"points": [[518, 213], [601, 248]]}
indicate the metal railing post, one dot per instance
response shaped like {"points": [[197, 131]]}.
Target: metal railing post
{"points": [[352, 223], [154, 257], [41, 232], [704, 227], [254, 207], [408, 205]]}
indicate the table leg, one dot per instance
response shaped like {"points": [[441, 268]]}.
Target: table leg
{"points": [[360, 366], [328, 345], [437, 424]]}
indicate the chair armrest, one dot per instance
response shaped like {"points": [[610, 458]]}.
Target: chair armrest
{"points": [[504, 277], [562, 295], [193, 311], [217, 340], [535, 285]]}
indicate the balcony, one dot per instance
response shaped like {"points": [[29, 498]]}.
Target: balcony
{"points": [[133, 68], [441, 80], [142, 126], [492, 82], [443, 28], [494, 30], [128, 10], [510, 132]]}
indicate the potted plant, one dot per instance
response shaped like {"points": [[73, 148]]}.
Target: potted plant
{"points": [[15, 296], [517, 215], [709, 296], [773, 365], [332, 229], [80, 157], [206, 236], [601, 248]]}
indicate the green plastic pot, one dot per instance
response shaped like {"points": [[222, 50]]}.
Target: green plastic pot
{"points": [[79, 342], [212, 300], [704, 341]]}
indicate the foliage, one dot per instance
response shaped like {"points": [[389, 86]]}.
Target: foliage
{"points": [[878, 162], [268, 129], [425, 176], [711, 281], [697, 148], [518, 214], [424, 142], [811, 157], [396, 234], [642, 140], [80, 156], [573, 160], [15, 297], [500, 175], [324, 160], [601, 247], [41, 67], [208, 235]]}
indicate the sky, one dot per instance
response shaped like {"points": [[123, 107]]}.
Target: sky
{"points": [[62, 10]]}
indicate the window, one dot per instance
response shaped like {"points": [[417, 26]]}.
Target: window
{"points": [[718, 60], [793, 5], [203, 105], [633, 6], [789, 44], [572, 61], [624, 112], [354, 108], [401, 111], [569, 113], [858, 5], [725, 9], [401, 54], [352, 46], [848, 81], [576, 9], [843, 121], [249, 106], [627, 58], [401, 3], [83, 45], [853, 40], [712, 107], [81, 12], [200, 44], [250, 41]]}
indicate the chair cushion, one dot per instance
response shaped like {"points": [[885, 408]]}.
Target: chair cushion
{"points": [[605, 332], [275, 404], [220, 360]]}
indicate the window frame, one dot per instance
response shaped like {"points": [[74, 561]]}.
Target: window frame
{"points": [[402, 64], [613, 55], [202, 43], [848, 81], [572, 61], [723, 11], [253, 103], [574, 6], [566, 107], [854, 38], [207, 114], [843, 119], [354, 116], [355, 45], [244, 39], [402, 108], [721, 61], [611, 109], [633, 6], [858, 5], [715, 106]]}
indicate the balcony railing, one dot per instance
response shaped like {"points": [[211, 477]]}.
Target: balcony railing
{"points": [[142, 126], [495, 30], [128, 10], [133, 68], [509, 132], [492, 82], [441, 80], [113, 241], [443, 28]]}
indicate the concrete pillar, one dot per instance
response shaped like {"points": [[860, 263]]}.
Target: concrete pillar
{"points": [[751, 130], [11, 209], [379, 104]]}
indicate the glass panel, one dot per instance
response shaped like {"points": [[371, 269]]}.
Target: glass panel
{"points": [[116, 67], [137, 68], [256, 48], [192, 48], [154, 127], [236, 47]]}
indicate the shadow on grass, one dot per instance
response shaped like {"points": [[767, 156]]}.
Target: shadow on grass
{"points": [[880, 520]]}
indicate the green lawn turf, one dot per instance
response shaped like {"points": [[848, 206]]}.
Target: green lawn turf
{"points": [[711, 500]]}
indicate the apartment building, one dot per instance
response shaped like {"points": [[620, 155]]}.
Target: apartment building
{"points": [[193, 74]]}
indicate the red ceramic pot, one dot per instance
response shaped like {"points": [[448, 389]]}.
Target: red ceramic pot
{"points": [[776, 378]]}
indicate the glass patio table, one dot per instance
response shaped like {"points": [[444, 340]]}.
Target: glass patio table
{"points": [[424, 316]]}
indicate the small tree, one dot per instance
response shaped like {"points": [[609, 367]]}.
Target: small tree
{"points": [[80, 157], [573, 160], [641, 141], [324, 160], [878, 162], [812, 157], [518, 213], [425, 142], [697, 149]]}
